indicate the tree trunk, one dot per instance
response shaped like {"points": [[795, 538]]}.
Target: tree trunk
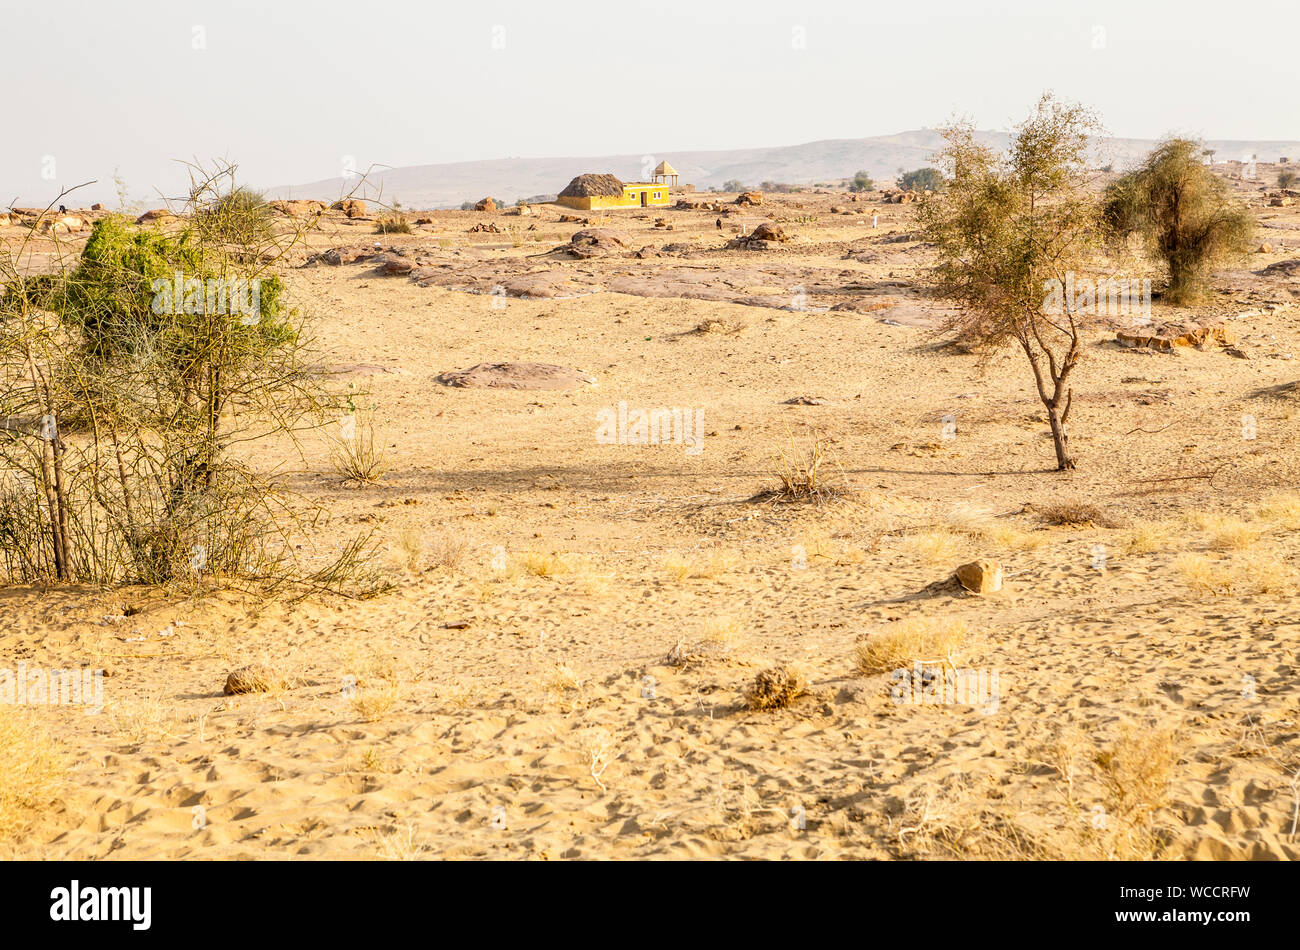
{"points": [[1060, 441]]}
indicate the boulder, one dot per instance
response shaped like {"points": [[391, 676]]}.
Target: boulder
{"points": [[595, 242], [97, 207], [1167, 336], [486, 204], [980, 577], [395, 266], [1266, 248], [63, 224], [156, 216], [298, 208], [352, 207], [768, 231], [750, 198]]}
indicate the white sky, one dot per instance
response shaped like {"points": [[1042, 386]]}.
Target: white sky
{"points": [[290, 88]]}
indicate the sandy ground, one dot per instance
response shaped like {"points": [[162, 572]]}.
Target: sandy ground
{"points": [[559, 672]]}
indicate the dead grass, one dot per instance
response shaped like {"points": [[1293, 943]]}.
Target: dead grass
{"points": [[926, 640], [358, 454], [1282, 510], [545, 565], [802, 474], [378, 686], [1248, 573], [1135, 772], [563, 687], [681, 568], [1075, 514], [31, 768], [1228, 533], [934, 545], [775, 688], [721, 325], [1146, 537], [448, 551]]}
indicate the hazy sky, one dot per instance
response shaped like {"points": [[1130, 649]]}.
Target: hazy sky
{"points": [[292, 90]]}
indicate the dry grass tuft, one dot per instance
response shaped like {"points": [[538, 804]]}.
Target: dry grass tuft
{"points": [[1135, 772], [449, 550], [775, 688], [721, 325], [1281, 510], [801, 475], [563, 687], [1076, 514], [1228, 533], [358, 455], [1146, 537], [913, 640], [410, 545], [545, 565], [378, 687], [681, 568], [1204, 574], [935, 545], [30, 770]]}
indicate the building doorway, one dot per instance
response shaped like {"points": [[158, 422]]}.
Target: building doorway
{"points": [[644, 195]]}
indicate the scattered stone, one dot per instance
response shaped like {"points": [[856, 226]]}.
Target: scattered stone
{"points": [[303, 208], [352, 207], [595, 242], [390, 266], [1289, 268], [980, 577], [1167, 336], [1266, 248], [806, 401], [335, 256], [156, 216]]}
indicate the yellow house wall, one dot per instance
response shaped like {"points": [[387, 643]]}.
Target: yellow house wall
{"points": [[631, 198]]}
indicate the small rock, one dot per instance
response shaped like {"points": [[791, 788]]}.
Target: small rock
{"points": [[980, 577]]}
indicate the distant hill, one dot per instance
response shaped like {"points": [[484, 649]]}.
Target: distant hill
{"points": [[448, 185]]}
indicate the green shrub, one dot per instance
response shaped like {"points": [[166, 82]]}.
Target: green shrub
{"points": [[921, 179], [862, 182], [1184, 212]]}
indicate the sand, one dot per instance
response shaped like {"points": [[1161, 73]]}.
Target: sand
{"points": [[518, 700]]}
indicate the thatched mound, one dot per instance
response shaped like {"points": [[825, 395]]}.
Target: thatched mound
{"points": [[592, 186]]}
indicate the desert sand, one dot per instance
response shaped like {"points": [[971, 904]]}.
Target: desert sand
{"points": [[560, 668]]}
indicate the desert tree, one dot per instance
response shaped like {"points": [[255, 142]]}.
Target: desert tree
{"points": [[921, 179], [1008, 228], [134, 377], [1183, 212]]}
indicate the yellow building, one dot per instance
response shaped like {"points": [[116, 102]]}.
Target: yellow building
{"points": [[589, 192]]}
